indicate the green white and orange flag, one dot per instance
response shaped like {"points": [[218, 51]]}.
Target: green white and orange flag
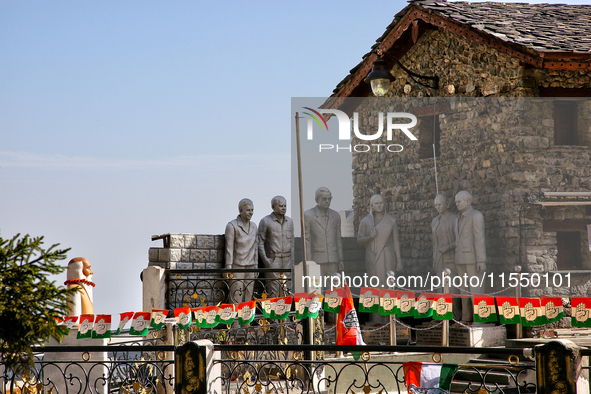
{"points": [[442, 306], [369, 300], [424, 306], [267, 306], [85, 328], [281, 307], [227, 314], [580, 311], [69, 321], [552, 308], [300, 300], [102, 327], [333, 299], [140, 324], [508, 310], [307, 304], [183, 317], [531, 312], [206, 316], [158, 317], [428, 376], [388, 302], [123, 319], [246, 312], [406, 300], [484, 308]]}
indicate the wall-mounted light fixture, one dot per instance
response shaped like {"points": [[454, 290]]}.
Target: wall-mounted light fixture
{"points": [[380, 77]]}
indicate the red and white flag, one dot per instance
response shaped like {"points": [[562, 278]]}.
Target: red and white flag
{"points": [[348, 330]]}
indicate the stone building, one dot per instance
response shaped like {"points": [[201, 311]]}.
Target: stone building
{"points": [[526, 159]]}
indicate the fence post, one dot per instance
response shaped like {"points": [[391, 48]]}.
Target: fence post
{"points": [[558, 368], [195, 370]]}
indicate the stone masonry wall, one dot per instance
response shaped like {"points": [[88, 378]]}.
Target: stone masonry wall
{"points": [[188, 251]]}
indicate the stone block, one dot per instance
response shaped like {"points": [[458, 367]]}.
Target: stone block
{"points": [[177, 240], [216, 256], [219, 242], [205, 241], [215, 265], [167, 254], [190, 241], [199, 255], [153, 254], [184, 266]]}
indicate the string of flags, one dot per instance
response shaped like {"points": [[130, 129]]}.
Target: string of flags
{"points": [[527, 311]]}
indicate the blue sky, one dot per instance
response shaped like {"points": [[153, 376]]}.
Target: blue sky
{"points": [[120, 120]]}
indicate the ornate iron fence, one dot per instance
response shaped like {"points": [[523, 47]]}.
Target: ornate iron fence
{"points": [[204, 287]]}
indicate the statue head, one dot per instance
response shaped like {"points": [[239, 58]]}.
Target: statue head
{"points": [[463, 200], [376, 203], [323, 197], [80, 268], [279, 205], [441, 203], [246, 209]]}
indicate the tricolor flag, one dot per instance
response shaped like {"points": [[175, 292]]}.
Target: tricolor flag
{"points": [[442, 307], [183, 317], [424, 306], [123, 319], [369, 300], [531, 312], [388, 302], [86, 324], [246, 312], [307, 305], [226, 314], [348, 330], [333, 299], [206, 316], [552, 308], [281, 307], [580, 311], [158, 317], [70, 321], [407, 303], [428, 376], [102, 327], [140, 324], [267, 307], [508, 310], [484, 308]]}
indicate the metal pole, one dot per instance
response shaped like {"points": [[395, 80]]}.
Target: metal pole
{"points": [[390, 274], [445, 325], [310, 322], [518, 327]]}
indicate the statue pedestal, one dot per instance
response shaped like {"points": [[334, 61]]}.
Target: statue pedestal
{"points": [[70, 373]]}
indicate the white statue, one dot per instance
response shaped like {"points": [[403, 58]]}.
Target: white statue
{"points": [[80, 277]]}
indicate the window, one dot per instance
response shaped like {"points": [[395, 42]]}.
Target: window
{"points": [[569, 250], [429, 133], [565, 123]]}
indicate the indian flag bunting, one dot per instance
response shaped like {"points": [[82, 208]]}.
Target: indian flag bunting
{"points": [[369, 300], [552, 308], [246, 312], [300, 305], [206, 316], [348, 330], [70, 321], [332, 300], [313, 305], [281, 307], [531, 312], [227, 313], [86, 324], [508, 310], [183, 317], [388, 302], [140, 324], [267, 307], [307, 305], [428, 376], [442, 306], [407, 303], [424, 306], [102, 327], [158, 317], [581, 311], [123, 319], [484, 308]]}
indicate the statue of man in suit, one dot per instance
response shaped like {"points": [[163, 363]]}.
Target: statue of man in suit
{"points": [[470, 246], [444, 236], [323, 234]]}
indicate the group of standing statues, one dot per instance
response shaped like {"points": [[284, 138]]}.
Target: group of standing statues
{"points": [[458, 242]]}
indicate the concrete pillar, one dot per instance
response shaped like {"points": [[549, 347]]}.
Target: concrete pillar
{"points": [[558, 368], [154, 288], [195, 371]]}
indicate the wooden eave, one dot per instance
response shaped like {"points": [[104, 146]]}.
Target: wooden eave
{"points": [[407, 31]]}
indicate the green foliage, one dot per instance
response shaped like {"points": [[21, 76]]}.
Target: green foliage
{"points": [[29, 301]]}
